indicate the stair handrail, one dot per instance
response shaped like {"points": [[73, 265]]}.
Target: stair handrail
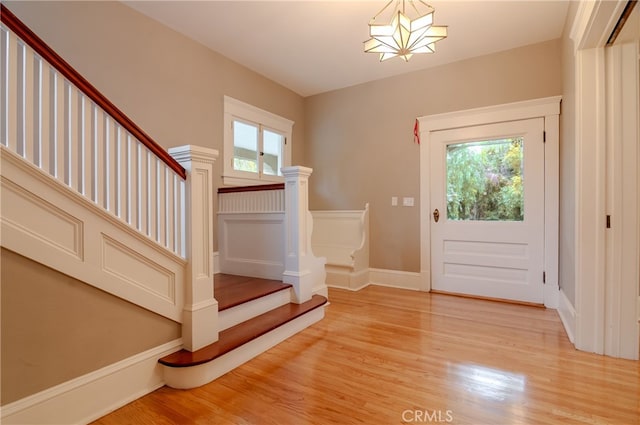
{"points": [[47, 53]]}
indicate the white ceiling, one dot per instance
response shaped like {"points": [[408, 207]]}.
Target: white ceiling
{"points": [[317, 46]]}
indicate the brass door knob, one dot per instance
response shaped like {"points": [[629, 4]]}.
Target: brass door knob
{"points": [[436, 215]]}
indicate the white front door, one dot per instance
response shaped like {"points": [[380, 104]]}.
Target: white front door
{"points": [[487, 206]]}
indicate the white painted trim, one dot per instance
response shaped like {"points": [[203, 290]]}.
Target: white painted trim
{"points": [[491, 114], [567, 315], [260, 201], [236, 109], [591, 27], [192, 377], [266, 258], [344, 278], [547, 108], [245, 311], [216, 262], [396, 279], [590, 200], [45, 221], [623, 139], [91, 396], [593, 23], [551, 209]]}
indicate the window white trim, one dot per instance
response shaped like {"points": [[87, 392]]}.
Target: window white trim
{"points": [[237, 110]]}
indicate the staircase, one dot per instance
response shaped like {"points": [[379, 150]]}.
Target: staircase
{"points": [[254, 315], [87, 193]]}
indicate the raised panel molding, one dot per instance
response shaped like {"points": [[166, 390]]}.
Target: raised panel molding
{"points": [[43, 220], [45, 223], [128, 265], [252, 244]]}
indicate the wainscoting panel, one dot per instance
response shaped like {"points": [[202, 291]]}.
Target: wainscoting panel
{"points": [[45, 221], [252, 244]]}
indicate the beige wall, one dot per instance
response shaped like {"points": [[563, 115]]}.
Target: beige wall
{"points": [[56, 328], [169, 85], [359, 140], [568, 164]]}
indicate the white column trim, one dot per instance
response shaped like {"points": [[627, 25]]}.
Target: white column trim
{"points": [[301, 268], [200, 311]]}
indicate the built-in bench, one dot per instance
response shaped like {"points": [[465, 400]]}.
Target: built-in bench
{"points": [[342, 237]]}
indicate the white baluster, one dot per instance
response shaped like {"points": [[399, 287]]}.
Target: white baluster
{"points": [[5, 85], [86, 142], [34, 81], [161, 204], [71, 136], [121, 172], [110, 164], [152, 194], [29, 105], [57, 128], [170, 199], [143, 198], [117, 170], [132, 166], [97, 154], [12, 93], [45, 117], [21, 101], [177, 214]]}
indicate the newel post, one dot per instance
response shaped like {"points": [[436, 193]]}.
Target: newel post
{"points": [[298, 256], [200, 313]]}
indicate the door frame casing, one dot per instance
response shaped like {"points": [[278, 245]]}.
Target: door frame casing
{"points": [[590, 30], [547, 108]]}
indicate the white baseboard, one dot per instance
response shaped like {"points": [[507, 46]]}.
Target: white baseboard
{"points": [[348, 288], [91, 396], [192, 377], [396, 279], [567, 315], [343, 278]]}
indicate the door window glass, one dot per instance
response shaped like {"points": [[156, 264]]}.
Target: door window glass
{"points": [[485, 180]]}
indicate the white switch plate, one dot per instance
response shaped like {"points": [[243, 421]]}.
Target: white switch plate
{"points": [[407, 202], [394, 201]]}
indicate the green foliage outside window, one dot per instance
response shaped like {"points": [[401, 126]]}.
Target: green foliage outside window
{"points": [[485, 180]]}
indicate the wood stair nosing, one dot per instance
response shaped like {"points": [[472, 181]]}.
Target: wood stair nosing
{"points": [[242, 333]]}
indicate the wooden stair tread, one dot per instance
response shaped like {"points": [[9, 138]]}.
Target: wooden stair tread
{"points": [[242, 333], [232, 290]]}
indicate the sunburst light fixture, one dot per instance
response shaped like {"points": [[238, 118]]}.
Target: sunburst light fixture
{"points": [[404, 36]]}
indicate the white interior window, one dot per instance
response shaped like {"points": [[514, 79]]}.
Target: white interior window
{"points": [[257, 144]]}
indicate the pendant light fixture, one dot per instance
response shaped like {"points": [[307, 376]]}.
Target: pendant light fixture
{"points": [[410, 31]]}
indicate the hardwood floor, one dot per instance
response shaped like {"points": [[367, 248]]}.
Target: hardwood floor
{"points": [[389, 356]]}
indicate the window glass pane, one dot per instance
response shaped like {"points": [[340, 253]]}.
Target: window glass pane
{"points": [[245, 147], [273, 153], [485, 180]]}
